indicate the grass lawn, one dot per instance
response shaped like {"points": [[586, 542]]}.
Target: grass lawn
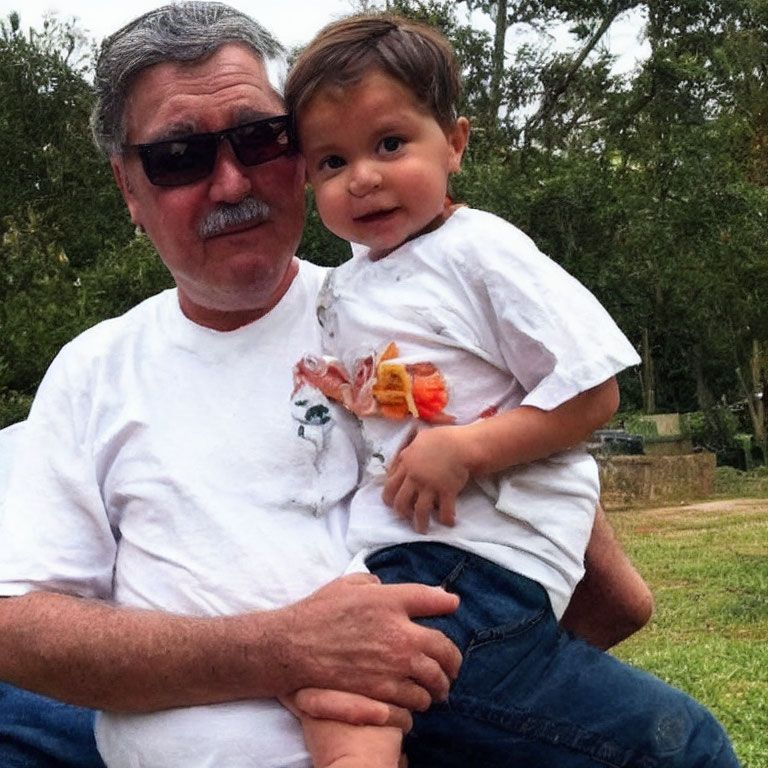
{"points": [[707, 565]]}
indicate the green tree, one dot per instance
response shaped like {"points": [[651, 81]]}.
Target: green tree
{"points": [[649, 187], [47, 160], [698, 216], [68, 255]]}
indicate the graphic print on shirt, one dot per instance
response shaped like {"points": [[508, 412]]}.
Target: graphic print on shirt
{"points": [[379, 385], [310, 408]]}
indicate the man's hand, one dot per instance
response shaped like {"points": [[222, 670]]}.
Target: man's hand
{"points": [[356, 635], [426, 476]]}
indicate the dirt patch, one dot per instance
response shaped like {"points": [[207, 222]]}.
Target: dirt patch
{"points": [[716, 506], [693, 515]]}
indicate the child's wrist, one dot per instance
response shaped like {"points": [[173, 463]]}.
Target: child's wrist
{"points": [[471, 450]]}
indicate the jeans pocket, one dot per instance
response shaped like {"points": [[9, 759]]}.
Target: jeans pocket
{"points": [[513, 632], [509, 657]]}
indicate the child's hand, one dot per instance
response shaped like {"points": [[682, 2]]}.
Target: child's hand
{"points": [[426, 476], [346, 707]]}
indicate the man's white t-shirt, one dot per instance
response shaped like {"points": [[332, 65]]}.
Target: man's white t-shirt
{"points": [[505, 326], [166, 466]]}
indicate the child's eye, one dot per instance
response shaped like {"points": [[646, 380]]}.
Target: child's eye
{"points": [[332, 162], [391, 144]]}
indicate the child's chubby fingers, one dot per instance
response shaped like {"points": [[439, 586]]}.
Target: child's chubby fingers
{"points": [[423, 509], [395, 478], [405, 499], [446, 509]]}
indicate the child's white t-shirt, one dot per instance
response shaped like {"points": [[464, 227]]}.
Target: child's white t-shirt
{"points": [[505, 326]]}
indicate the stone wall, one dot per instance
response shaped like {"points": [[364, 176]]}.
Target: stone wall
{"points": [[674, 445], [637, 480], [666, 424]]}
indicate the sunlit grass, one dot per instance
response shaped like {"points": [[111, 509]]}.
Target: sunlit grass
{"points": [[708, 569]]}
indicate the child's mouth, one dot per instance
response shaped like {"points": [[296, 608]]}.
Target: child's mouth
{"points": [[370, 218]]}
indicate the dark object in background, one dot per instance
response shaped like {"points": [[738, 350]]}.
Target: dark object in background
{"points": [[615, 441]]}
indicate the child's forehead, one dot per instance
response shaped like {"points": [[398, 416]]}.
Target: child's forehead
{"points": [[371, 87]]}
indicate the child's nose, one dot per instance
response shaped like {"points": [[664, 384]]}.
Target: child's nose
{"points": [[365, 178]]}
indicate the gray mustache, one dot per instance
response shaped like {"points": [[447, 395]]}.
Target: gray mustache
{"points": [[229, 214]]}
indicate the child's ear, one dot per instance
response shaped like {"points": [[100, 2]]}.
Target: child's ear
{"points": [[457, 136]]}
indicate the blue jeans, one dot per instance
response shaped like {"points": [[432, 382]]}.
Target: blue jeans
{"points": [[529, 695], [37, 732]]}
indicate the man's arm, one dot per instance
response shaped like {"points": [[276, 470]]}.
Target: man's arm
{"points": [[612, 601], [352, 635]]}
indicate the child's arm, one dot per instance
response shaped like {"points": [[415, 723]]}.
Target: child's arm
{"points": [[429, 473], [335, 744]]}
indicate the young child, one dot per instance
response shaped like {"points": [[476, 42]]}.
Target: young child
{"points": [[478, 367]]}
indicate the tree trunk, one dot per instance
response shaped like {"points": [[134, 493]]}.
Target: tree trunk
{"points": [[754, 393], [647, 376], [498, 56], [550, 98]]}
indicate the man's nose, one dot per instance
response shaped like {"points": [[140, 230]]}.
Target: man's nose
{"points": [[364, 179], [230, 181]]}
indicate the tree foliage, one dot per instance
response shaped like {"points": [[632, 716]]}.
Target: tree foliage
{"points": [[651, 186], [47, 159], [68, 256]]}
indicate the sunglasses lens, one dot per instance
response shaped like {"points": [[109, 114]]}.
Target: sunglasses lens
{"points": [[260, 142], [174, 163]]}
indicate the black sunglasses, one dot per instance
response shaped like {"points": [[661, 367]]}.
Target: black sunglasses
{"points": [[175, 162]]}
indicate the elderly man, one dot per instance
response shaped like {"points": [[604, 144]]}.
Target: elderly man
{"points": [[170, 525]]}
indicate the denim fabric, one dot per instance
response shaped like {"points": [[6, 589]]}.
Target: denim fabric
{"points": [[37, 732], [532, 696]]}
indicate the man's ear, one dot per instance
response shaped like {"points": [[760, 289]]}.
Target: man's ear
{"points": [[457, 136], [124, 184]]}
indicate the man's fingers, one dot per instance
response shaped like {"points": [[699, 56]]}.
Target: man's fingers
{"points": [[419, 600], [431, 675], [446, 658], [351, 708], [403, 693], [422, 601]]}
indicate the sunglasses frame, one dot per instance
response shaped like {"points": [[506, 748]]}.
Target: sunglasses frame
{"points": [[147, 151]]}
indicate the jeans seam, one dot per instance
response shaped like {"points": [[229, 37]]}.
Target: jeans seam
{"points": [[723, 747], [578, 739], [453, 576], [483, 637]]}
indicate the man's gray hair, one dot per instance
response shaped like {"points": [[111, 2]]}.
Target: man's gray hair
{"points": [[189, 31]]}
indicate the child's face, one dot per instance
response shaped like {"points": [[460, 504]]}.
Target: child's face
{"points": [[378, 161]]}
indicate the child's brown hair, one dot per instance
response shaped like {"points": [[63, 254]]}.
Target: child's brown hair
{"points": [[414, 54]]}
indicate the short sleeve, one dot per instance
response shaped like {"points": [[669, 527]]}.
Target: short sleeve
{"points": [[554, 336], [54, 531]]}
